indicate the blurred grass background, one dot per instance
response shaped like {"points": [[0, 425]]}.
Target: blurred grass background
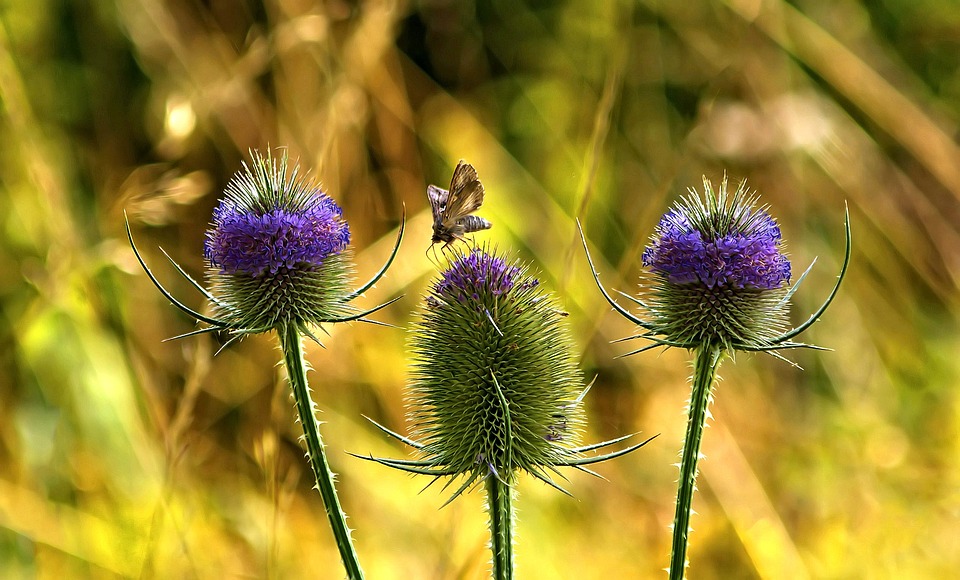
{"points": [[124, 456]]}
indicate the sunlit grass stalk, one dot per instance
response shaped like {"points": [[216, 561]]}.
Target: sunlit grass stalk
{"points": [[292, 345], [705, 364]]}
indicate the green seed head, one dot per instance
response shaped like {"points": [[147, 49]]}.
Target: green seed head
{"points": [[494, 384]]}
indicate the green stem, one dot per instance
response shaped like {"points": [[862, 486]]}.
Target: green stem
{"points": [[705, 364], [297, 370], [499, 496]]}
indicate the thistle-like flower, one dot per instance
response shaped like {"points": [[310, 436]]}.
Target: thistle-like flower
{"points": [[720, 284], [278, 259], [720, 273], [494, 387]]}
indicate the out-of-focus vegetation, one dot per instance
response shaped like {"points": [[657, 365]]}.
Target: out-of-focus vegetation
{"points": [[125, 456]]}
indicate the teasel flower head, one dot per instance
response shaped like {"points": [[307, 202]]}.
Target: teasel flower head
{"points": [[720, 284], [278, 258], [494, 387], [278, 255], [719, 275]]}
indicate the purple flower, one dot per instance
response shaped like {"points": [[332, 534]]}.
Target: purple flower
{"points": [[277, 250], [477, 275], [720, 275], [277, 254], [745, 254], [245, 240]]}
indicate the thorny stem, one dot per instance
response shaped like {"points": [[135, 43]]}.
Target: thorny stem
{"points": [[706, 362], [499, 496], [290, 341]]}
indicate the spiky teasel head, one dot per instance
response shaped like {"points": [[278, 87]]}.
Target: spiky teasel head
{"points": [[277, 254], [719, 269], [277, 250], [494, 384], [495, 388], [720, 276]]}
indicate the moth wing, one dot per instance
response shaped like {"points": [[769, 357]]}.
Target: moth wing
{"points": [[466, 193], [438, 201]]}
